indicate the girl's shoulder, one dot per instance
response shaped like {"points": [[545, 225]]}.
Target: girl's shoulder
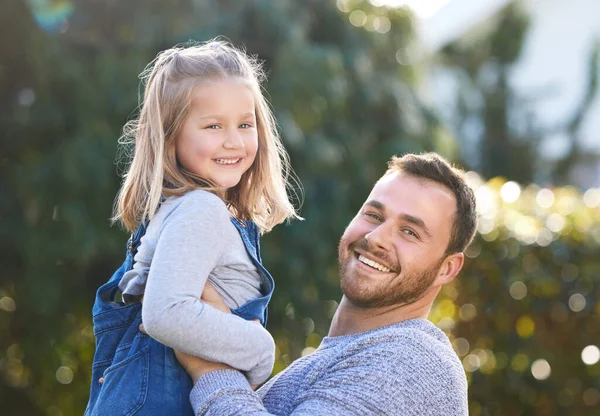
{"points": [[196, 203], [199, 196]]}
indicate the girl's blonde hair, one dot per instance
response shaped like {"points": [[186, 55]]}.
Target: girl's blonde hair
{"points": [[260, 196]]}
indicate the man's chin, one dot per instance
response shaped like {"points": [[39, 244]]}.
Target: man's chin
{"points": [[360, 296]]}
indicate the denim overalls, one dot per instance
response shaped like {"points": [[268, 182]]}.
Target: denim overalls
{"points": [[134, 374]]}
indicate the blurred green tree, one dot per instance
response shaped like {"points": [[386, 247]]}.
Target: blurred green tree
{"points": [[526, 305], [508, 135], [344, 104], [69, 83]]}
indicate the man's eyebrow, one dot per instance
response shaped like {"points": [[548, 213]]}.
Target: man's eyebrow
{"points": [[416, 221], [375, 204]]}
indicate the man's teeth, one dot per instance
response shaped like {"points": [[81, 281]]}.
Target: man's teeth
{"points": [[226, 161], [373, 264]]}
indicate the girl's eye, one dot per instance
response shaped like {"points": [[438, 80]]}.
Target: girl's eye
{"points": [[213, 126], [246, 125]]}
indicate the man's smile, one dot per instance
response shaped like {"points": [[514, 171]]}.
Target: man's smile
{"points": [[373, 264], [369, 261]]}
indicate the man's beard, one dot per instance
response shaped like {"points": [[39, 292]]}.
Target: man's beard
{"points": [[400, 290]]}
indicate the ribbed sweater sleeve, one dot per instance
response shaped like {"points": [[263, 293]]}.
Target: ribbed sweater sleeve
{"points": [[404, 373]]}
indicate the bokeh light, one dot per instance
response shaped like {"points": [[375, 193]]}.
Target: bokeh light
{"points": [[569, 272], [518, 290], [486, 202], [64, 375], [461, 346], [467, 312], [545, 198], [555, 222], [525, 326], [510, 191], [51, 15], [540, 369], [591, 198], [590, 355], [308, 350], [358, 18], [471, 363], [591, 397], [519, 362], [8, 304], [577, 302]]}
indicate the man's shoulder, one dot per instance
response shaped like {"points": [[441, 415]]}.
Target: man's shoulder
{"points": [[415, 363], [408, 365], [415, 345]]}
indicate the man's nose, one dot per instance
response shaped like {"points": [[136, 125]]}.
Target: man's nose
{"points": [[380, 237]]}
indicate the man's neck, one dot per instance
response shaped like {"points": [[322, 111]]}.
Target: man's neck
{"points": [[352, 319]]}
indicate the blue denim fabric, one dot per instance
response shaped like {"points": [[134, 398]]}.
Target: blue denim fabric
{"points": [[135, 374]]}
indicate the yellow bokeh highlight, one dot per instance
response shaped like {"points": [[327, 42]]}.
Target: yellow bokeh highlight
{"points": [[525, 326], [489, 366], [447, 308], [519, 363]]}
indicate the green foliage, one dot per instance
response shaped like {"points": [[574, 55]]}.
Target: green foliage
{"points": [[499, 118], [528, 292], [344, 106], [69, 83]]}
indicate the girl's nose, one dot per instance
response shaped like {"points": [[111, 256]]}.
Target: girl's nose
{"points": [[234, 140]]}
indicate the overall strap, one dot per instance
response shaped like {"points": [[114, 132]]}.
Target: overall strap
{"points": [[136, 237]]}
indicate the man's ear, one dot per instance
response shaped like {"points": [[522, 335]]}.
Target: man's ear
{"points": [[450, 268]]}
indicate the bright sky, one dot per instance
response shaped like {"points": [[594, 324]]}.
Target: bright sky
{"points": [[422, 8]]}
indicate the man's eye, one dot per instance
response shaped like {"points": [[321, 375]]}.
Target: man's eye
{"points": [[373, 215], [410, 232]]}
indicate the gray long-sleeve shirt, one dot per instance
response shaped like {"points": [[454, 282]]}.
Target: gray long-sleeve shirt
{"points": [[408, 368], [191, 240]]}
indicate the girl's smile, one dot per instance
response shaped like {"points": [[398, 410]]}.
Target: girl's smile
{"points": [[219, 140]]}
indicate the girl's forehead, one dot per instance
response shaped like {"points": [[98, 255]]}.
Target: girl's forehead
{"points": [[223, 95]]}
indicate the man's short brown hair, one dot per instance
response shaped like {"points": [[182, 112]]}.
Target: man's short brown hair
{"points": [[433, 167]]}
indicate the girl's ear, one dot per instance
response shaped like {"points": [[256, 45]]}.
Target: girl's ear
{"points": [[450, 268]]}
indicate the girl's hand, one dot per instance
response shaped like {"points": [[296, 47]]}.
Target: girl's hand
{"points": [[196, 367], [211, 297]]}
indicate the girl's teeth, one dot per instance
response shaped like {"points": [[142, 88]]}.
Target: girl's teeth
{"points": [[373, 264], [226, 161]]}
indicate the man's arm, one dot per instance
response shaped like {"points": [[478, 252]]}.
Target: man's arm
{"points": [[372, 381]]}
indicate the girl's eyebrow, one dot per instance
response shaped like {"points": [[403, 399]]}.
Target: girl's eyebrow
{"points": [[218, 116]]}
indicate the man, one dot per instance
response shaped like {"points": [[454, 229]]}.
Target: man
{"points": [[382, 356]]}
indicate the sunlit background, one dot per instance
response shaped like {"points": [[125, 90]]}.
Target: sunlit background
{"points": [[506, 89]]}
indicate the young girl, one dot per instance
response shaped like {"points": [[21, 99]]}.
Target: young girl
{"points": [[208, 175]]}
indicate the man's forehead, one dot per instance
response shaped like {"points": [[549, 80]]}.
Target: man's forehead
{"points": [[400, 189]]}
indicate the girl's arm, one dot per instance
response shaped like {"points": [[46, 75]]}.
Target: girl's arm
{"points": [[189, 247]]}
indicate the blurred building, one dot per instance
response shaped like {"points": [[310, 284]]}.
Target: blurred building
{"points": [[552, 73]]}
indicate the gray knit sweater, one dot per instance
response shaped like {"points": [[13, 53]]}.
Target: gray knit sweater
{"points": [[408, 368], [190, 241]]}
